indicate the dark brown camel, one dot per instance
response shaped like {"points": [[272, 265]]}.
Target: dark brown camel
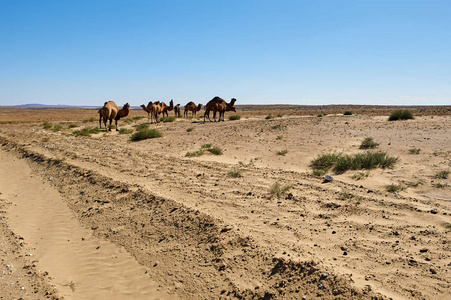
{"points": [[190, 106], [111, 111], [167, 108], [218, 105], [177, 110]]}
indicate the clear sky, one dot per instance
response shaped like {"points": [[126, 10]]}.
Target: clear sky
{"points": [[258, 51]]}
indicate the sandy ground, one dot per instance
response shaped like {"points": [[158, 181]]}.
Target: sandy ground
{"points": [[178, 226]]}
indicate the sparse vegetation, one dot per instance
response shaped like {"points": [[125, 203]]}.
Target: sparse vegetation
{"points": [[347, 113], [57, 127], [190, 129], [268, 117], [440, 185], [125, 131], [360, 175], [368, 143], [142, 126], [393, 188], [282, 152], [195, 153], [47, 125], [400, 115], [168, 119], [145, 133], [442, 174], [92, 119], [342, 163], [206, 146], [279, 137], [278, 190], [235, 173], [234, 117], [215, 150], [414, 151], [87, 131]]}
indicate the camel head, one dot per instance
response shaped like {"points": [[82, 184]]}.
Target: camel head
{"points": [[232, 102], [126, 106], [199, 107]]}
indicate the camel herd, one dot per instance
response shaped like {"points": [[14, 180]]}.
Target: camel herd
{"points": [[111, 111]]}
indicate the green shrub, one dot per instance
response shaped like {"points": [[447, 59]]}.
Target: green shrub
{"points": [[279, 137], [206, 146], [137, 118], [142, 126], [215, 150], [268, 117], [144, 134], [127, 121], [342, 163], [47, 125], [87, 131], [57, 128], [234, 117], [195, 153], [72, 125], [168, 119], [394, 188], [400, 115], [235, 173], [368, 143], [190, 129], [282, 152], [92, 119], [278, 190], [442, 174], [347, 113], [125, 131], [414, 151]]}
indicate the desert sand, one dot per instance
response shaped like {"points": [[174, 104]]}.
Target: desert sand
{"points": [[102, 217]]}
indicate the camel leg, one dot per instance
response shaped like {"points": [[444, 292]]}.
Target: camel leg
{"points": [[115, 121], [111, 120]]}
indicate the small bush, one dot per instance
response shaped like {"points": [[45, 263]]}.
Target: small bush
{"points": [[360, 175], [57, 128], [392, 188], [319, 172], [92, 119], [190, 129], [282, 152], [414, 151], [195, 153], [71, 125], [400, 115], [324, 161], [47, 125], [347, 113], [206, 146], [125, 131], [142, 126], [442, 174], [87, 131], [168, 119], [234, 117], [235, 173], [279, 137], [368, 143], [215, 150], [268, 117], [144, 134], [278, 190]]}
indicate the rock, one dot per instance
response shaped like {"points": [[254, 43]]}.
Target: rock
{"points": [[433, 270], [424, 250], [328, 178], [434, 211]]}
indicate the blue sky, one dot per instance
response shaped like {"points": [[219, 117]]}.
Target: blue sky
{"points": [[260, 51]]}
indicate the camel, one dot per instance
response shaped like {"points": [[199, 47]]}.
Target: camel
{"points": [[157, 109], [190, 106], [218, 105], [167, 108], [147, 110], [111, 111], [177, 110]]}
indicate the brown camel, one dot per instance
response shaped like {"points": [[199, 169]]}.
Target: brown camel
{"points": [[167, 108], [218, 105], [156, 109], [147, 110], [190, 106], [111, 111], [177, 110]]}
